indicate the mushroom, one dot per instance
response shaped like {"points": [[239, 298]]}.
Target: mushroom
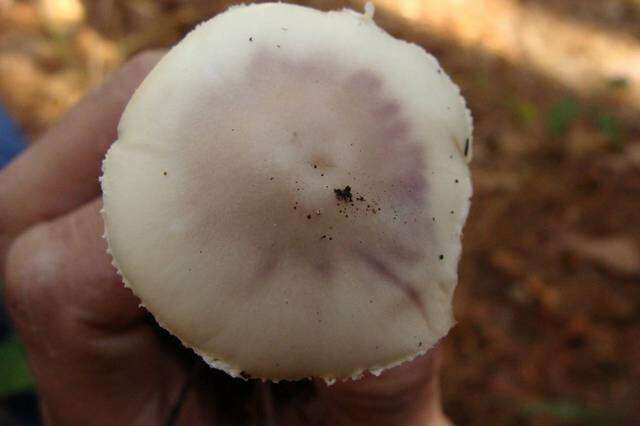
{"points": [[287, 194]]}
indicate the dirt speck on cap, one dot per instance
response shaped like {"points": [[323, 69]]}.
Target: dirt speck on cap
{"points": [[344, 194]]}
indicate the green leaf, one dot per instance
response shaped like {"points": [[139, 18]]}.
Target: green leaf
{"points": [[564, 410], [14, 373], [618, 82], [524, 111], [562, 115], [610, 126]]}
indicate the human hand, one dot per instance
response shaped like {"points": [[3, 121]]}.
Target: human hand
{"points": [[97, 357]]}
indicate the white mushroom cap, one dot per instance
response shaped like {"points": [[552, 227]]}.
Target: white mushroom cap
{"points": [[226, 202]]}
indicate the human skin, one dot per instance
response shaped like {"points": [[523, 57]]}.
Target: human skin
{"points": [[97, 357]]}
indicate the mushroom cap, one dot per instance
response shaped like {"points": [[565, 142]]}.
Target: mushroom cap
{"points": [[287, 194]]}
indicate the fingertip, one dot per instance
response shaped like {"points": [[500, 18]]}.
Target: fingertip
{"points": [[29, 271], [60, 271]]}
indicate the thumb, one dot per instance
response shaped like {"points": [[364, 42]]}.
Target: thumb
{"points": [[94, 357], [408, 395]]}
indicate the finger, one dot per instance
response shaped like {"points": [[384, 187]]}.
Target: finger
{"points": [[405, 395], [65, 263], [89, 348], [60, 172]]}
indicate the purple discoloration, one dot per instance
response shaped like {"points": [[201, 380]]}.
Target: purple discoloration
{"points": [[364, 81], [323, 267], [387, 109], [395, 131], [336, 128], [409, 176], [391, 277], [268, 264], [400, 252]]}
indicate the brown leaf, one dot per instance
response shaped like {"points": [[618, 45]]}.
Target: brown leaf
{"points": [[583, 142], [509, 262], [626, 161], [617, 254], [487, 181]]}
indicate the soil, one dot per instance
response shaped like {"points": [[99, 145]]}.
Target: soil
{"points": [[548, 305]]}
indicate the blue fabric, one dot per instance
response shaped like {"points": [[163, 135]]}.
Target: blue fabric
{"points": [[11, 144], [11, 141], [21, 409]]}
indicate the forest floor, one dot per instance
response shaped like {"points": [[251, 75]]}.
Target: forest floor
{"points": [[548, 305]]}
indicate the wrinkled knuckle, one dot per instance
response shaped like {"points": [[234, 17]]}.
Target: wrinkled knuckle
{"points": [[31, 272]]}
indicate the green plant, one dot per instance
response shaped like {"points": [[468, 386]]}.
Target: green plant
{"points": [[562, 115], [14, 372]]}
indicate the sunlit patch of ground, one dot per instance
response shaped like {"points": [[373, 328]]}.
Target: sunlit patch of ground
{"points": [[580, 55]]}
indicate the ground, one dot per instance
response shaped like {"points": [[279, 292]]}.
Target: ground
{"points": [[548, 306]]}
